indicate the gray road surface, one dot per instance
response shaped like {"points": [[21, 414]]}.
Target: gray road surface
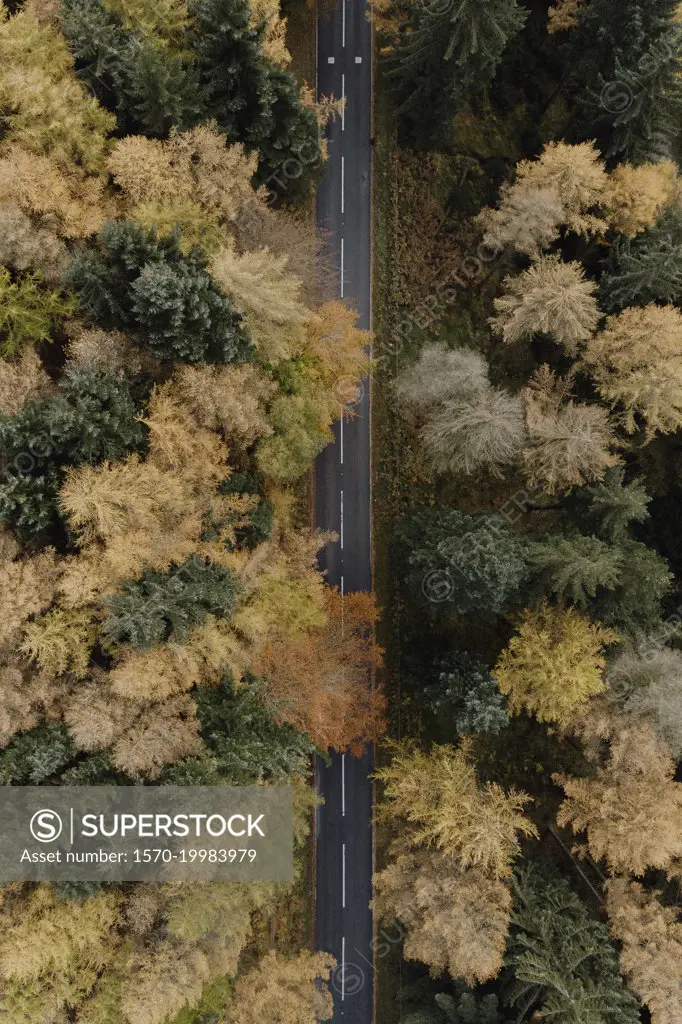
{"points": [[344, 824]]}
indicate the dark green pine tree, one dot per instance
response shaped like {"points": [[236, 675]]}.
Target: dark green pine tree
{"points": [[461, 564], [575, 568], [561, 963], [32, 758], [149, 88], [647, 268], [167, 605], [244, 742], [634, 606], [252, 101], [611, 506], [624, 59], [94, 416], [449, 52], [465, 1007], [144, 284], [464, 692]]}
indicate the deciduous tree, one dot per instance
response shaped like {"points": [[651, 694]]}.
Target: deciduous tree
{"points": [[551, 297], [29, 311], [456, 919], [631, 811], [284, 990], [639, 194], [636, 362], [553, 664], [437, 800], [322, 681], [565, 186], [646, 679], [570, 443], [650, 935], [484, 432]]}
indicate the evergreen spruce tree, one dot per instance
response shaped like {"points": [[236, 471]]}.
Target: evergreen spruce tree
{"points": [[465, 688], [450, 50], [244, 742], [460, 563], [149, 87], [647, 268], [252, 101], [575, 568], [162, 606], [92, 417], [626, 57], [562, 963], [610, 506], [144, 284]]}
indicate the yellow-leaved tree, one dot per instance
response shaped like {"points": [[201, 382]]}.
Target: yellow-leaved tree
{"points": [[636, 362], [570, 443], [439, 803], [638, 195], [456, 919], [553, 664], [456, 840], [631, 810], [551, 297], [284, 990], [650, 935], [565, 187]]}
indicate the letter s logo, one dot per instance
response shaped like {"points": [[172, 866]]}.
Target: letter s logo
{"points": [[46, 826]]}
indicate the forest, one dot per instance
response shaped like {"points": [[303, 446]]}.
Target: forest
{"points": [[171, 357], [528, 383]]}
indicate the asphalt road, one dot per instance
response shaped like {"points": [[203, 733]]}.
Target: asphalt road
{"points": [[344, 924]]}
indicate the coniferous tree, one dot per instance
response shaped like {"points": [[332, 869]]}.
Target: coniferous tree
{"points": [[477, 559], [626, 56], [562, 963], [450, 51], [611, 505], [92, 417], [239, 728], [163, 605], [149, 88], [252, 101], [647, 268], [142, 283], [574, 568], [465, 688]]}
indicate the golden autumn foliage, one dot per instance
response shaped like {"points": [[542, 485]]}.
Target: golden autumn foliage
{"points": [[20, 380], [439, 803], [631, 811], [49, 111], [551, 297], [564, 187], [324, 679], [563, 14], [650, 935], [456, 918], [192, 180], [284, 990], [571, 443], [553, 664], [638, 195], [636, 362]]}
